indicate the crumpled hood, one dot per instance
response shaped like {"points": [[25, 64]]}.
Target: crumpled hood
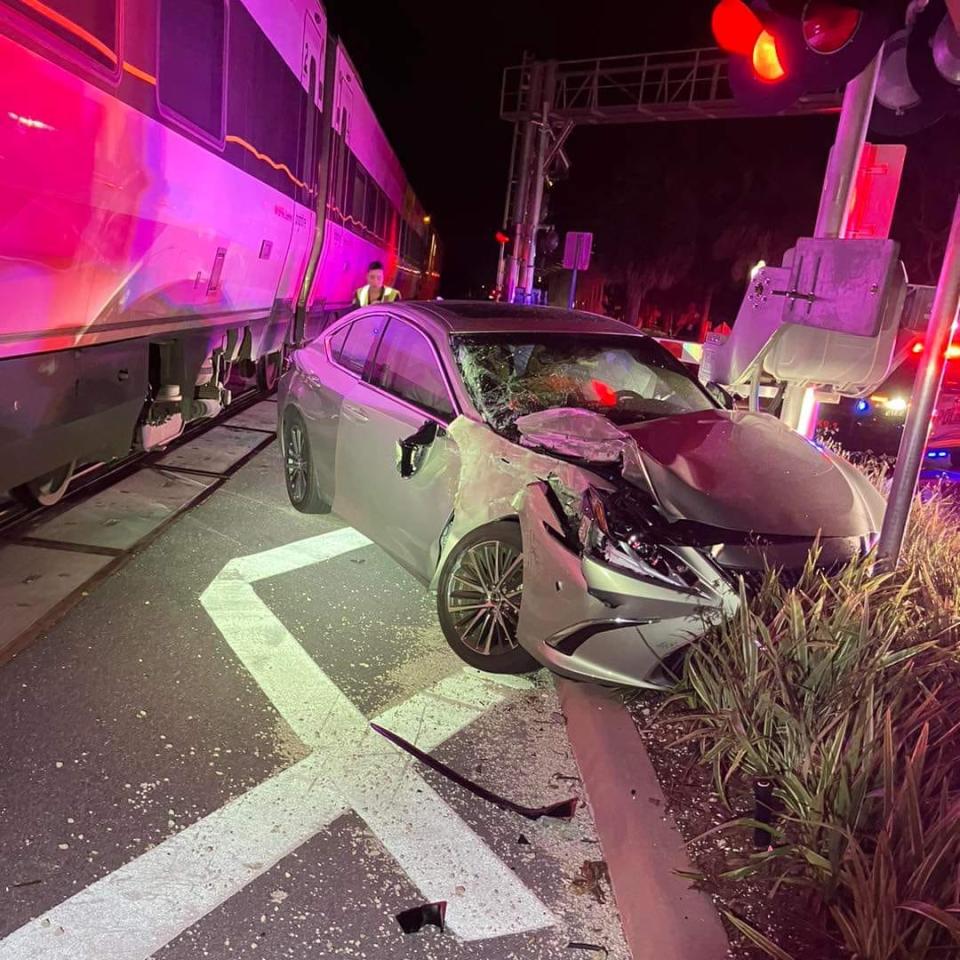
{"points": [[734, 470]]}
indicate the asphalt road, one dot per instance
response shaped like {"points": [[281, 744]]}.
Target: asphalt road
{"points": [[180, 788]]}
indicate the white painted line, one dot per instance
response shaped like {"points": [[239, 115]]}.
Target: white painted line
{"points": [[435, 848], [134, 911]]}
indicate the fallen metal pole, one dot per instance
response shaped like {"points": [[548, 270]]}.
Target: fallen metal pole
{"points": [[943, 316]]}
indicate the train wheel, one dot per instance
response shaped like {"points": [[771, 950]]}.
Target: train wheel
{"points": [[49, 489], [268, 370]]}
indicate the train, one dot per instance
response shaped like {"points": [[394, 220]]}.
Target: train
{"points": [[187, 188]]}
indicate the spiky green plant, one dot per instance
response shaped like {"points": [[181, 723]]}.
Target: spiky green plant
{"points": [[846, 691]]}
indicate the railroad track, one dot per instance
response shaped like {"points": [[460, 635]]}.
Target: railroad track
{"points": [[95, 477], [51, 557]]}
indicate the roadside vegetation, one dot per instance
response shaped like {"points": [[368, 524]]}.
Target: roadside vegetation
{"points": [[845, 693]]}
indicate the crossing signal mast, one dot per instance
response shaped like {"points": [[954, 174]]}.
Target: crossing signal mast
{"points": [[835, 317]]}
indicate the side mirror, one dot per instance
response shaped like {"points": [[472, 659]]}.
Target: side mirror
{"points": [[410, 449], [721, 396]]}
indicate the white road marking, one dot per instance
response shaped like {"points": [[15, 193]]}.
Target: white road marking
{"points": [[142, 906]]}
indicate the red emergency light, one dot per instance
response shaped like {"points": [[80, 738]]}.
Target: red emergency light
{"points": [[953, 351], [502, 238]]}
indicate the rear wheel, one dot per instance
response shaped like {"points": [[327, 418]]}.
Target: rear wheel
{"points": [[49, 489], [298, 466], [478, 599]]}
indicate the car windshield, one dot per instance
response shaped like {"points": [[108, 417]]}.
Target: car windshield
{"points": [[628, 379]]}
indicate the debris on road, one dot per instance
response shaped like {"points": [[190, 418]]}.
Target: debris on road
{"points": [[592, 947], [564, 810], [593, 875], [427, 914]]}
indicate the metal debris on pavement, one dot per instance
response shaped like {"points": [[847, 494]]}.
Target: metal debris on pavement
{"points": [[427, 914], [564, 810]]}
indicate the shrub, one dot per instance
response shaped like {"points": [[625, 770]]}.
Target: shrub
{"points": [[846, 692]]}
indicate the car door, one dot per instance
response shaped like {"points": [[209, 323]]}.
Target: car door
{"points": [[397, 469], [329, 368]]}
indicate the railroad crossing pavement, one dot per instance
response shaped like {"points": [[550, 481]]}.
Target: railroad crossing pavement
{"points": [[188, 771]]}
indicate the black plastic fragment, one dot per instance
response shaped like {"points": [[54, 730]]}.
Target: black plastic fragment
{"points": [[592, 947], [763, 813], [564, 810], [523, 841], [427, 914]]}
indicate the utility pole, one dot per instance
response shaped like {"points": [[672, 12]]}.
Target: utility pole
{"points": [[943, 317], [799, 403], [521, 197], [539, 176]]}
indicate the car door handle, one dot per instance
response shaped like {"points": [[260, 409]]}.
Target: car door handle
{"points": [[354, 413]]}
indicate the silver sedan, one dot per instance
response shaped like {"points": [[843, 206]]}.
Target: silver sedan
{"points": [[571, 494]]}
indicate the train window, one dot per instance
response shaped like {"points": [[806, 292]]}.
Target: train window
{"points": [[190, 68], [370, 209], [312, 117], [88, 25], [381, 230], [357, 194]]}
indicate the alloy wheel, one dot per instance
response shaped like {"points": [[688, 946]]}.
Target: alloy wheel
{"points": [[297, 462], [483, 596]]}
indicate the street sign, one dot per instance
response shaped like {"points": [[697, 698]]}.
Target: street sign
{"points": [[577, 248], [875, 193]]}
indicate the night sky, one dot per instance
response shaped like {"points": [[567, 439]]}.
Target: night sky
{"points": [[433, 70]]}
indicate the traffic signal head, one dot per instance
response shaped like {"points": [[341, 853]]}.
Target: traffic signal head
{"points": [[783, 49], [920, 76]]}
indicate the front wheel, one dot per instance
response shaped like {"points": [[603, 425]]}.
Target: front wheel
{"points": [[298, 469], [479, 596]]}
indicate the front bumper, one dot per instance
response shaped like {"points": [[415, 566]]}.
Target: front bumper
{"points": [[588, 621]]}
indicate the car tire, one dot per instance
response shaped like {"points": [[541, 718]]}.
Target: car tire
{"points": [[298, 472], [482, 636]]}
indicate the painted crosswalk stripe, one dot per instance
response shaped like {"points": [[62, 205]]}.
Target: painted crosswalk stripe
{"points": [[137, 909]]}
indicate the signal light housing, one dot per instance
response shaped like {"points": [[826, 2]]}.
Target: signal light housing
{"points": [[828, 27], [784, 49]]}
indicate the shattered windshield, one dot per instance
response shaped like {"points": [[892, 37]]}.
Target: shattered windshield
{"points": [[627, 379]]}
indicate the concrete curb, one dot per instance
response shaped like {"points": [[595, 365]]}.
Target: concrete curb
{"points": [[663, 917]]}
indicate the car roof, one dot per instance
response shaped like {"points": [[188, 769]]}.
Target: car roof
{"points": [[484, 316]]}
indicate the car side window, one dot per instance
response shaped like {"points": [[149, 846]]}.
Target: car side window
{"points": [[337, 341], [361, 337], [407, 367]]}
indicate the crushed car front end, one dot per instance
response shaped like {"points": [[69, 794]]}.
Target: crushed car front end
{"points": [[639, 536]]}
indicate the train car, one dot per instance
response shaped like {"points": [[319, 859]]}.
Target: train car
{"points": [[186, 188]]}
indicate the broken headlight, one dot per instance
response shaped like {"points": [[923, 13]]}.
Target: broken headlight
{"points": [[621, 541]]}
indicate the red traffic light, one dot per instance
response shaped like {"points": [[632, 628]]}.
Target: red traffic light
{"points": [[786, 49], [766, 58], [735, 27], [502, 238]]}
